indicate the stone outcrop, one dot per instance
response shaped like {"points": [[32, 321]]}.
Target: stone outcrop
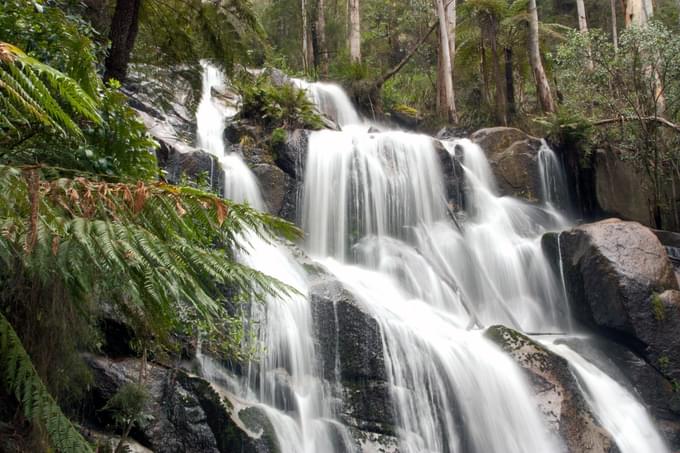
{"points": [[619, 278], [513, 156], [351, 350], [558, 393], [185, 413]]}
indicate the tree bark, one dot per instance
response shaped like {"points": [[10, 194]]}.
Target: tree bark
{"points": [[321, 36], [449, 107], [451, 19], [615, 28], [354, 31], [638, 12], [123, 32], [583, 28], [510, 84], [306, 60], [542, 86]]}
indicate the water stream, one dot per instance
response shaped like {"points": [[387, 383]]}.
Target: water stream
{"points": [[375, 215]]}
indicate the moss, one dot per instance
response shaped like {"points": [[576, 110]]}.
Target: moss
{"points": [[407, 110], [256, 421], [658, 308], [664, 363]]}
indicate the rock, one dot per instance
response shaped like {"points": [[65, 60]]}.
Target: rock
{"points": [[454, 175], [496, 140], [180, 161], [621, 188], [291, 155], [276, 187], [350, 337], [513, 156], [186, 413], [558, 392], [619, 278]]}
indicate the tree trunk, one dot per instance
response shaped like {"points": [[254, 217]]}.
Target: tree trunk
{"points": [[615, 28], [451, 19], [510, 84], [321, 36], [499, 79], [306, 60], [583, 28], [354, 31], [638, 12], [124, 26], [542, 86], [449, 107]]}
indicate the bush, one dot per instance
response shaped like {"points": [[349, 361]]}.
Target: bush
{"points": [[276, 106]]}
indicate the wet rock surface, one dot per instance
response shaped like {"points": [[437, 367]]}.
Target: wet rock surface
{"points": [[513, 156], [558, 394], [185, 412], [351, 350]]}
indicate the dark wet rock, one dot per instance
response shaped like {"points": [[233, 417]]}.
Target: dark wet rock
{"points": [[186, 412], [453, 173], [558, 393], [180, 161], [351, 350], [619, 278], [291, 155], [275, 186]]}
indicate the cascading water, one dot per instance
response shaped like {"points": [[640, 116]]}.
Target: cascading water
{"points": [[302, 419], [375, 215]]}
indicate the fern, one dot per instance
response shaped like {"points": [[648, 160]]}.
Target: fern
{"points": [[35, 92], [22, 380]]}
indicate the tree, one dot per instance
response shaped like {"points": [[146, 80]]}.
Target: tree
{"points": [[321, 36], [354, 31], [446, 70], [123, 32], [615, 30], [306, 48], [542, 86], [583, 23], [638, 12]]}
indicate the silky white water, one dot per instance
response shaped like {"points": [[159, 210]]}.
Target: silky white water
{"points": [[615, 407], [283, 383], [375, 215]]}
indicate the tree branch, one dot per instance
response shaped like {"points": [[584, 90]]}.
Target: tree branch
{"points": [[645, 119], [392, 72]]}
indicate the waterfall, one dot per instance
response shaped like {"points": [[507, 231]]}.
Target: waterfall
{"points": [[375, 216], [615, 407], [283, 383]]}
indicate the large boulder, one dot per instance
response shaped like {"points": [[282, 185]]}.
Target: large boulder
{"points": [[185, 412], [622, 189], [513, 156], [351, 349], [619, 278], [451, 161], [559, 396], [278, 190]]}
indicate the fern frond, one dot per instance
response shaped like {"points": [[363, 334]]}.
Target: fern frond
{"points": [[22, 380]]}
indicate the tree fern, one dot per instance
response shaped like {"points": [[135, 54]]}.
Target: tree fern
{"points": [[31, 91], [22, 380]]}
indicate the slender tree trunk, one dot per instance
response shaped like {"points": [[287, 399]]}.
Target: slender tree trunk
{"points": [[499, 79], [510, 84], [615, 28], [354, 31], [542, 85], [306, 60], [321, 36], [124, 26], [583, 27], [449, 108], [451, 19]]}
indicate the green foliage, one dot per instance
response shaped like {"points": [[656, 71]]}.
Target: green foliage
{"points": [[22, 380], [658, 308], [32, 92], [278, 137], [664, 363], [127, 405], [120, 144], [276, 106]]}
